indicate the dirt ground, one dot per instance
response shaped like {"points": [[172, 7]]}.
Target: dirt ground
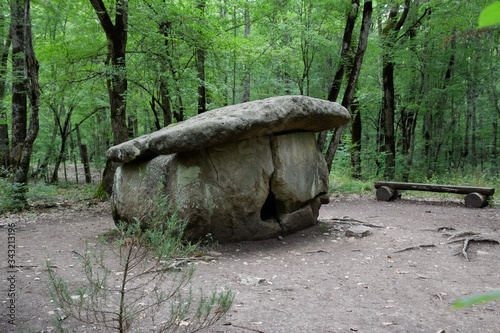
{"points": [[317, 280]]}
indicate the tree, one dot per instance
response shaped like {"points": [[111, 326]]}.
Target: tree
{"points": [[5, 41], [355, 69], [116, 35], [25, 72], [389, 37], [352, 14], [200, 65]]}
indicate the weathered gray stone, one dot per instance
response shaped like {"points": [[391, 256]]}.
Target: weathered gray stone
{"points": [[358, 231], [233, 123], [227, 191], [245, 172], [301, 172]]}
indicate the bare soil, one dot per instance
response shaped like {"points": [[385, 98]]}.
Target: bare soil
{"points": [[317, 280]]}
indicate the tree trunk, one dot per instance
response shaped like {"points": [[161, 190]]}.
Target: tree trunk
{"points": [[388, 105], [178, 115], [353, 80], [19, 103], [344, 59], [116, 35], [73, 155], [165, 103], [32, 88], [84, 156], [389, 35], [42, 169], [494, 97], [200, 65], [245, 83], [4, 127], [356, 134], [344, 53], [64, 131]]}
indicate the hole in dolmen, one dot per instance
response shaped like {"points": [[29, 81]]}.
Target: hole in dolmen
{"points": [[268, 210]]}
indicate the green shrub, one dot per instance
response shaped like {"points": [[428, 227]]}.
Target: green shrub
{"points": [[9, 202]]}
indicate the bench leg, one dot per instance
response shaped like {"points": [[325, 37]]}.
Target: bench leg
{"points": [[385, 193], [477, 200]]}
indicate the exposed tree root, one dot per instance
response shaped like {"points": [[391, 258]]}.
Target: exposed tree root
{"points": [[466, 238], [416, 247]]}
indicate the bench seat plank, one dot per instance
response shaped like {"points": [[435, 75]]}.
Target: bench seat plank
{"points": [[488, 191]]}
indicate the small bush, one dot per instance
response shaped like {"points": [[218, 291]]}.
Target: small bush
{"points": [[9, 200]]}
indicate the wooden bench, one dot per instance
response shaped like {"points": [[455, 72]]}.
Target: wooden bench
{"points": [[476, 196]]}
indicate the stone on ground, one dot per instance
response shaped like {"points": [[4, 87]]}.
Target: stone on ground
{"points": [[268, 180]]}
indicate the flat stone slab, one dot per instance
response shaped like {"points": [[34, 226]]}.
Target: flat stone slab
{"points": [[234, 123], [358, 231]]}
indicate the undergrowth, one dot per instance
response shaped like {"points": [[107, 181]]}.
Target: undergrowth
{"points": [[42, 194]]}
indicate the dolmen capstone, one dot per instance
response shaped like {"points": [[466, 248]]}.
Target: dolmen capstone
{"points": [[250, 171]]}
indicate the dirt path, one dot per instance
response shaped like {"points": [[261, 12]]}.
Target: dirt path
{"points": [[317, 280]]}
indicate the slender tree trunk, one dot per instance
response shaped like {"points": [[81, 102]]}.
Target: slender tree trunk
{"points": [[465, 149], [344, 53], [380, 140], [64, 132], [353, 80], [494, 98], [356, 135], [339, 74], [73, 154], [132, 125], [200, 65], [84, 156], [389, 107], [494, 146], [42, 169], [4, 127], [165, 103], [179, 114], [246, 81], [473, 137]]}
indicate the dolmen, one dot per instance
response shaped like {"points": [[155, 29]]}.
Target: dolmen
{"points": [[250, 171]]}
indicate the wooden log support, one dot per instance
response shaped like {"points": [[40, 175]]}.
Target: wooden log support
{"points": [[385, 193], [476, 196], [475, 199]]}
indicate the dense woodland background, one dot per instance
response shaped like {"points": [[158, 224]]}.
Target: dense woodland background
{"points": [[421, 80]]}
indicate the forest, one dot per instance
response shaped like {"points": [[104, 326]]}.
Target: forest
{"points": [[419, 77]]}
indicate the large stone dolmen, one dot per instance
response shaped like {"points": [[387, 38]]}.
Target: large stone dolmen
{"points": [[250, 171]]}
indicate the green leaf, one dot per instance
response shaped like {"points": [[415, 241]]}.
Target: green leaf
{"points": [[475, 299], [490, 15]]}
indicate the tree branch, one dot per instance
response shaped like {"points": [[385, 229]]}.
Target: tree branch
{"points": [[103, 16]]}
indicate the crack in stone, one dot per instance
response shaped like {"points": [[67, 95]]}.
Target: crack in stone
{"points": [[213, 165]]}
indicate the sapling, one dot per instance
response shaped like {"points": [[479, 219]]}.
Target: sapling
{"points": [[135, 280]]}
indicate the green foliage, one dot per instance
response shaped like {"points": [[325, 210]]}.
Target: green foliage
{"points": [[477, 299], [292, 48], [490, 15], [135, 273], [9, 201], [37, 192]]}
